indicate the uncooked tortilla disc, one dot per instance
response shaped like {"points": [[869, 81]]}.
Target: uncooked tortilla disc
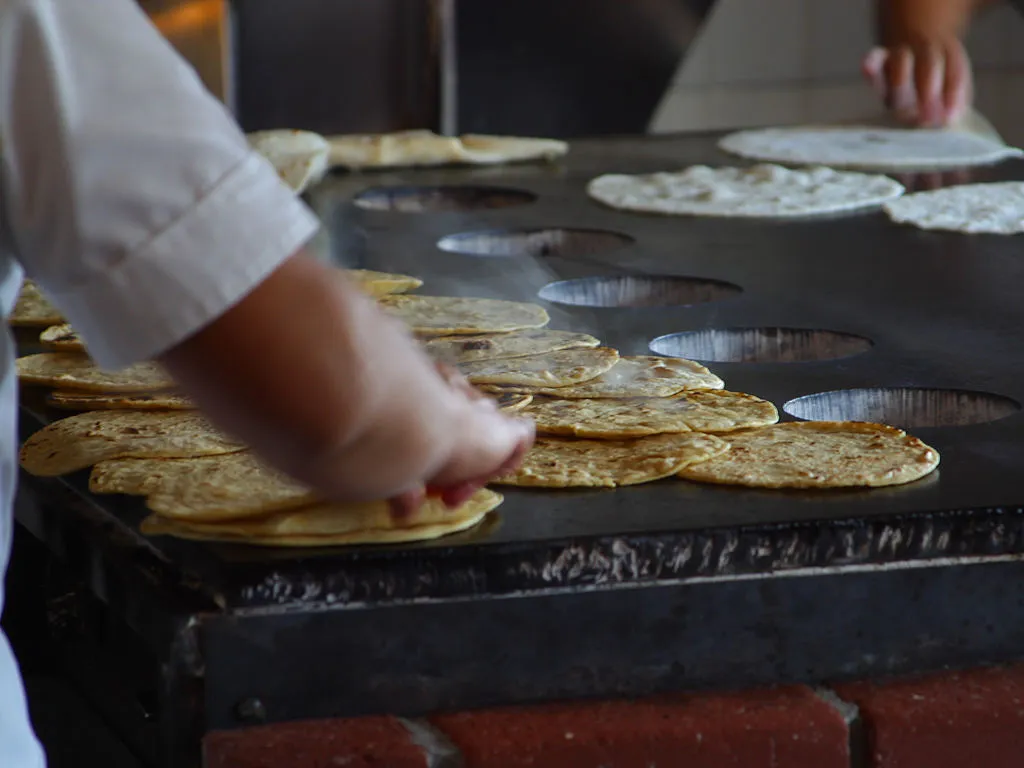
{"points": [[995, 209], [882, 149], [761, 191]]}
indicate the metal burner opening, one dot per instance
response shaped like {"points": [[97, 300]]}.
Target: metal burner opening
{"points": [[565, 243], [760, 345], [440, 199], [907, 407], [637, 291]]}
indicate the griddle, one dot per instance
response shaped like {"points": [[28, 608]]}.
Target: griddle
{"points": [[570, 594]]}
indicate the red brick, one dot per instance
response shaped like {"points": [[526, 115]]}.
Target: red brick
{"points": [[953, 720], [782, 728], [380, 742]]}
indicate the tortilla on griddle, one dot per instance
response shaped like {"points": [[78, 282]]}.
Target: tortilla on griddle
{"points": [[33, 308], [335, 524], [424, 148], [511, 403], [483, 149], [452, 315], [85, 439], [818, 454], [393, 150], [690, 411], [62, 338], [552, 369], [495, 346], [867, 147], [555, 462], [634, 376], [108, 401], [299, 157], [203, 489], [993, 209], [76, 371], [765, 191], [377, 284]]}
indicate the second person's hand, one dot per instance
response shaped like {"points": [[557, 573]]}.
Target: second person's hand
{"points": [[926, 83]]}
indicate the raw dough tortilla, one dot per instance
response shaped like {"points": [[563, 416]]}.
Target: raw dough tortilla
{"points": [[335, 524], [818, 454], [689, 411], [563, 368], [379, 284], [106, 401], [33, 308], [996, 209], [203, 489], [86, 439], [555, 462], [425, 148], [451, 315], [867, 147], [767, 191], [635, 376], [62, 338], [455, 349], [484, 149], [299, 157], [75, 371]]}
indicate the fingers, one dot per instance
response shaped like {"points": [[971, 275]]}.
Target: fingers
{"points": [[900, 95], [929, 77], [927, 84], [958, 88], [487, 444], [405, 505], [873, 69]]}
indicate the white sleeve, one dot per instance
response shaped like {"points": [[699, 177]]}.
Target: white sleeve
{"points": [[130, 193]]}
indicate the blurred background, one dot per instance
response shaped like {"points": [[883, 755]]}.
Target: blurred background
{"points": [[565, 68]]}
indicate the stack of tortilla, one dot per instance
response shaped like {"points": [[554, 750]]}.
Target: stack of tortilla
{"points": [[302, 158], [141, 437], [603, 420]]}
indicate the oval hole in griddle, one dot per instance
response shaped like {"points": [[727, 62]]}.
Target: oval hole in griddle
{"points": [[760, 345], [557, 241], [906, 407], [440, 199], [637, 291]]}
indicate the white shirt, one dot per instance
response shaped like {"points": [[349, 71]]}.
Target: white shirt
{"points": [[129, 194]]}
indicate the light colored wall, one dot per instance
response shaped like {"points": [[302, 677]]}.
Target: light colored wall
{"points": [[761, 62]]}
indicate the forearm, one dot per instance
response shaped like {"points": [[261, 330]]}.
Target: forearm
{"points": [[905, 21], [330, 408]]}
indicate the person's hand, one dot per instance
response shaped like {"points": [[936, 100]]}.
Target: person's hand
{"points": [[332, 391], [926, 83], [450, 484]]}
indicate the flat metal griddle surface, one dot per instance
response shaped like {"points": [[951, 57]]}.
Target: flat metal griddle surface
{"points": [[943, 310]]}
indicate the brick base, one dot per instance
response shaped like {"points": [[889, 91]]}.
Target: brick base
{"points": [[363, 742], [957, 720], [761, 729]]}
